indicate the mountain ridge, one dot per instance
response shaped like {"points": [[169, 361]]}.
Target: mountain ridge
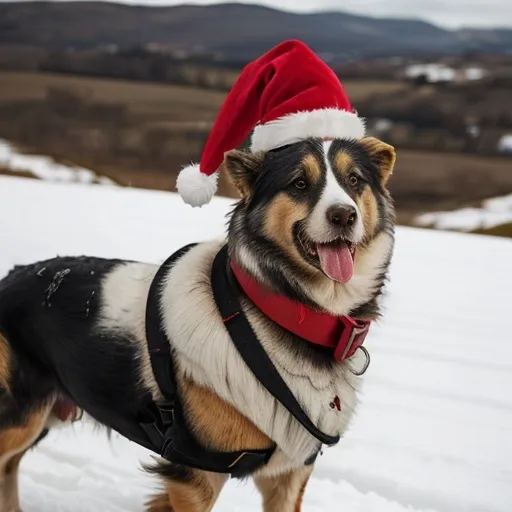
{"points": [[237, 31]]}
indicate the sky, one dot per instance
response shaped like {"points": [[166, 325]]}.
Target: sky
{"points": [[447, 13]]}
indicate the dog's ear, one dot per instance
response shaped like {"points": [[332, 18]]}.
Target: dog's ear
{"points": [[382, 154], [242, 168]]}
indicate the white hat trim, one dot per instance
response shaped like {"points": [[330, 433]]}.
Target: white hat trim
{"points": [[322, 123]]}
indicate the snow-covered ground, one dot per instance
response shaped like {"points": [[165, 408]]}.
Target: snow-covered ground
{"points": [[492, 212], [434, 429], [45, 168]]}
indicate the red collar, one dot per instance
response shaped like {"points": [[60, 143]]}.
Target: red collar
{"points": [[344, 334]]}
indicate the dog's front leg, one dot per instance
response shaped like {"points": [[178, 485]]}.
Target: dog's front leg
{"points": [[284, 493], [189, 490]]}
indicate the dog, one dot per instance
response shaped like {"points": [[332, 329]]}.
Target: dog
{"points": [[314, 225]]}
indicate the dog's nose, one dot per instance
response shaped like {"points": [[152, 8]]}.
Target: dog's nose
{"points": [[342, 216]]}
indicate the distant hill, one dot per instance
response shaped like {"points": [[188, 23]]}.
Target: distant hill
{"points": [[494, 41], [238, 31]]}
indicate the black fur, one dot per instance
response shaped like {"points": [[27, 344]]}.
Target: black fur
{"points": [[170, 471], [49, 313]]}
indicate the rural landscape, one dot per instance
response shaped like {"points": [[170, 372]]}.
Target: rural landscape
{"points": [[130, 93], [101, 105]]}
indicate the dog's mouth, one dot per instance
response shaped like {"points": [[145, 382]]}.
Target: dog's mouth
{"points": [[335, 258]]}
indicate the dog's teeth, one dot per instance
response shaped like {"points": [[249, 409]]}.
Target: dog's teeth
{"points": [[312, 250]]}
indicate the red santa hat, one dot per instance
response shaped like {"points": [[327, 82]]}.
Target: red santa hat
{"points": [[286, 95]]}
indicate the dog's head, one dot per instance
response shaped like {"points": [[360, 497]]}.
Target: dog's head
{"points": [[315, 220]]}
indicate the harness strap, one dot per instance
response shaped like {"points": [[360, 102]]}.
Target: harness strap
{"points": [[164, 422], [226, 292], [158, 344]]}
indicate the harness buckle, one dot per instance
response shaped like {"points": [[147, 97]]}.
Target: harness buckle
{"points": [[166, 411], [352, 337], [238, 459]]}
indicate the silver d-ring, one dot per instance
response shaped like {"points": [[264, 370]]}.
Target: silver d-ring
{"points": [[366, 362], [80, 415]]}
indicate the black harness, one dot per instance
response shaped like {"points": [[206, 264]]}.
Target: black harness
{"points": [[164, 423]]}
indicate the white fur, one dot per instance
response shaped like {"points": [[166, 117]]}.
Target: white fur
{"points": [[124, 294], [323, 123], [333, 194], [195, 187], [249, 262]]}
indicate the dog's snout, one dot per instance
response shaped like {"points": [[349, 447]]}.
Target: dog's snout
{"points": [[342, 216]]}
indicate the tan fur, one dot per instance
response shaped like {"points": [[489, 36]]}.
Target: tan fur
{"points": [[367, 205], [159, 503], [216, 423], [284, 493], [5, 363], [9, 498], [14, 442], [302, 490], [312, 168], [385, 157], [343, 163], [241, 167], [383, 154], [282, 214], [199, 494]]}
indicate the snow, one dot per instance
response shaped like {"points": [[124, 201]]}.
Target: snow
{"points": [[433, 431], [474, 73], [493, 212], [46, 168], [433, 72], [436, 72], [382, 125], [505, 143], [473, 130]]}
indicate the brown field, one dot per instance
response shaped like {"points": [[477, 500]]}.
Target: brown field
{"points": [[150, 101], [145, 98], [504, 230], [17, 174], [429, 181], [140, 134]]}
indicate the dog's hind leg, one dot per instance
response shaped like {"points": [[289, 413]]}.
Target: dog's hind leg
{"points": [[284, 493], [14, 442], [188, 490], [20, 427]]}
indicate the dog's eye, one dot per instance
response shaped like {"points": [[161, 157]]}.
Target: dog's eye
{"points": [[353, 179], [300, 184]]}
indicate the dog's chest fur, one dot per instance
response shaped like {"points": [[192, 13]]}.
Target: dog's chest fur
{"points": [[205, 353]]}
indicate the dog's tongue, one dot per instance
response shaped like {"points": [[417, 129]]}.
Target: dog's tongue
{"points": [[336, 261]]}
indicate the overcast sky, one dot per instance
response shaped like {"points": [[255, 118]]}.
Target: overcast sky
{"points": [[447, 13]]}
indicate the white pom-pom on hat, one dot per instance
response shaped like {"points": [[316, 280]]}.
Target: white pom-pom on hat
{"points": [[195, 187]]}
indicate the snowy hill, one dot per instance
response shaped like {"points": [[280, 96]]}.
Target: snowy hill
{"points": [[492, 212], [434, 430]]}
